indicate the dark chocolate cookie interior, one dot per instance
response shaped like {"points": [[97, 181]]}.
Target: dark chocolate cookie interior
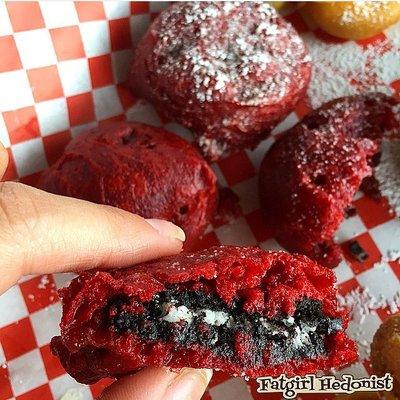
{"points": [[188, 317]]}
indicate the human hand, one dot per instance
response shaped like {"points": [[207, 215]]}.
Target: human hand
{"points": [[43, 233]]}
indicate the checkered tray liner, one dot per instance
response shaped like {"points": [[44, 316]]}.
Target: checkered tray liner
{"points": [[62, 70]]}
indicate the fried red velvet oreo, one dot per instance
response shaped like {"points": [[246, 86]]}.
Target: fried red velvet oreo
{"points": [[241, 310], [309, 177], [230, 72], [139, 168]]}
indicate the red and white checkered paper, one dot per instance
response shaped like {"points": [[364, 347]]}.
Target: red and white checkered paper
{"points": [[62, 70]]}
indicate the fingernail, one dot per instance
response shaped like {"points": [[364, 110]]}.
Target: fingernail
{"points": [[190, 384], [167, 228]]}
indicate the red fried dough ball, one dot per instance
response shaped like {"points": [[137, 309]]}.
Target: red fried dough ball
{"points": [[309, 177], [230, 72], [241, 310], [139, 168]]}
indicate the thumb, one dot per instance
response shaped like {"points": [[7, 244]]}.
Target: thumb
{"points": [[43, 233], [160, 384]]}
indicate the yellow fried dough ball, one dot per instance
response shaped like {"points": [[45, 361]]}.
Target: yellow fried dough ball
{"points": [[287, 5], [354, 19], [277, 4], [385, 351]]}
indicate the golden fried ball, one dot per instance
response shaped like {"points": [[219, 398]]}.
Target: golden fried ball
{"points": [[385, 351], [354, 19], [277, 4], [286, 5]]}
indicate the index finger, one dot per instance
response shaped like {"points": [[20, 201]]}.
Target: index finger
{"points": [[42, 233]]}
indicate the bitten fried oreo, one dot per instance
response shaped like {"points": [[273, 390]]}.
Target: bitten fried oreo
{"points": [[309, 177], [141, 169], [229, 71], [242, 310]]}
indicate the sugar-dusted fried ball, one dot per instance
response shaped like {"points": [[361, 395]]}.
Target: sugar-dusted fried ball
{"points": [[230, 72], [385, 351], [354, 19], [309, 177]]}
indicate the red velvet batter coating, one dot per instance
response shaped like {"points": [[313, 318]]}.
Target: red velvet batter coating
{"points": [[230, 72], [269, 283], [310, 175], [139, 168]]}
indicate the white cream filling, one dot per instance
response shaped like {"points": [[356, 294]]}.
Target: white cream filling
{"points": [[288, 321], [302, 336], [182, 313], [217, 318], [175, 314], [273, 328]]}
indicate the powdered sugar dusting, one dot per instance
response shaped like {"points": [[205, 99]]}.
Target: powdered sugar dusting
{"points": [[347, 69], [372, 11], [44, 281], [212, 146], [72, 394], [387, 172], [387, 67], [363, 305], [392, 255], [232, 51]]}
